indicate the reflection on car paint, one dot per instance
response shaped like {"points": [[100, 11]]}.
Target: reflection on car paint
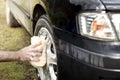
{"points": [[92, 4], [80, 54]]}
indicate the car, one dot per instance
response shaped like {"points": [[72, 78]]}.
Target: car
{"points": [[83, 36]]}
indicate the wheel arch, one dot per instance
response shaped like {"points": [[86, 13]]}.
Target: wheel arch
{"points": [[37, 12]]}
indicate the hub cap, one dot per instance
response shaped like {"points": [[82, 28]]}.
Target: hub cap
{"points": [[49, 71]]}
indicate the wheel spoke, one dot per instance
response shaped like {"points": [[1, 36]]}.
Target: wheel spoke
{"points": [[52, 73], [51, 58], [41, 74]]}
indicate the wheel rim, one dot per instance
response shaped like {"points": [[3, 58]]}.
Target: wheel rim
{"points": [[49, 71]]}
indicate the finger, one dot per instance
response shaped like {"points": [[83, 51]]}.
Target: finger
{"points": [[31, 58], [36, 59], [33, 54], [36, 44], [40, 48], [37, 50], [37, 54]]}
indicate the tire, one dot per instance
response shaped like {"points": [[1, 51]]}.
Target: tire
{"points": [[11, 21], [49, 71]]}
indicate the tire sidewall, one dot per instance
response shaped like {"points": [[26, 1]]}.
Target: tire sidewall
{"points": [[43, 22]]}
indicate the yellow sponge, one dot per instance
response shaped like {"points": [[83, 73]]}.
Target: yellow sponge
{"points": [[42, 58]]}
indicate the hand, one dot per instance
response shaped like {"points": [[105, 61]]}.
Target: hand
{"points": [[43, 47], [27, 53]]}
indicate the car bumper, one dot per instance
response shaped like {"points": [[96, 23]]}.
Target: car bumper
{"points": [[80, 58], [82, 64]]}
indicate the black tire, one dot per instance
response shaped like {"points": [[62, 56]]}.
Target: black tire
{"points": [[43, 21], [44, 28], [11, 21]]}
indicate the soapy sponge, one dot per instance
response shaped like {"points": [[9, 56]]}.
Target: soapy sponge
{"points": [[42, 58]]}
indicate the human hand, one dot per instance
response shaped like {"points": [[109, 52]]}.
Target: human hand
{"points": [[28, 53], [42, 47]]}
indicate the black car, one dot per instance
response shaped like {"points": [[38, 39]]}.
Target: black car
{"points": [[84, 36]]}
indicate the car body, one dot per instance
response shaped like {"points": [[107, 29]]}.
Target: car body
{"points": [[80, 54]]}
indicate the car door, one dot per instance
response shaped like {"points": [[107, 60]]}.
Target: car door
{"points": [[25, 4], [22, 13]]}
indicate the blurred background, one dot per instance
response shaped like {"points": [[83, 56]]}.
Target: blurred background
{"points": [[14, 39]]}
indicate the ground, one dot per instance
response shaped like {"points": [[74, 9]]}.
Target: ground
{"points": [[13, 39]]}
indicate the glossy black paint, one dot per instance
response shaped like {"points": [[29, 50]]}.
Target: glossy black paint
{"points": [[76, 70], [63, 14], [112, 4], [80, 63], [88, 4], [98, 4], [79, 57]]}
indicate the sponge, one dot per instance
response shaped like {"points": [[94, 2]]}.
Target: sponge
{"points": [[42, 58]]}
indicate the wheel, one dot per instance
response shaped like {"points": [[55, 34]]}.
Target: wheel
{"points": [[49, 71], [11, 21]]}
